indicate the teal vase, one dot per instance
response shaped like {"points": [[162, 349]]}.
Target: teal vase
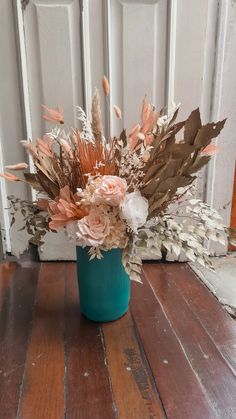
{"points": [[104, 286]]}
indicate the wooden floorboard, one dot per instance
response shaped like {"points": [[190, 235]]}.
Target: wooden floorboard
{"points": [[43, 385], [219, 326], [214, 374], [6, 274], [134, 390], [88, 389], [15, 325], [172, 355], [180, 390]]}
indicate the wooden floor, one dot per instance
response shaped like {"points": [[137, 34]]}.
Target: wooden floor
{"points": [[173, 355]]}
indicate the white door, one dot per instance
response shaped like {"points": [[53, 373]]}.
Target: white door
{"points": [[177, 50]]}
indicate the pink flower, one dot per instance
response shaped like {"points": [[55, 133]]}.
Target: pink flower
{"points": [[64, 209], [110, 190], [93, 229]]}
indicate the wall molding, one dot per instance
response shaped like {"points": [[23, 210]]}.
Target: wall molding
{"points": [[217, 79], [19, 18], [86, 60], [5, 217], [170, 56], [108, 63]]}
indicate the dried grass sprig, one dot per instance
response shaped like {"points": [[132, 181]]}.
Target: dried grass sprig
{"points": [[118, 112], [96, 116], [106, 86]]}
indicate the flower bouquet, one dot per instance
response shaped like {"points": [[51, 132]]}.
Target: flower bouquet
{"points": [[120, 199]]}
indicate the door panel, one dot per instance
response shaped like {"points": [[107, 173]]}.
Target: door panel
{"points": [[55, 77], [54, 59], [138, 39]]}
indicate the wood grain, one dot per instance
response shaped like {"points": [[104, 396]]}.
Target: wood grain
{"points": [[15, 321], [88, 391], [216, 378], [6, 275], [43, 385], [173, 355], [216, 321], [180, 390], [134, 390]]}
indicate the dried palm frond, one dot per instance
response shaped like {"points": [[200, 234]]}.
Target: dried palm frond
{"points": [[96, 158]]}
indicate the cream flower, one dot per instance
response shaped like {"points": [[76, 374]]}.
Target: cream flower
{"points": [[134, 209], [109, 190], [93, 229]]}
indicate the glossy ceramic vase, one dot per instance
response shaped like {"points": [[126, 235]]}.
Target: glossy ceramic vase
{"points": [[104, 286]]}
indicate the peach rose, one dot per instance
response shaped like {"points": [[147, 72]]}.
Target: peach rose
{"points": [[110, 190], [93, 229]]}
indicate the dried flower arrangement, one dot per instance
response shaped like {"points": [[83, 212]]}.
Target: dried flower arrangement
{"points": [[128, 192]]}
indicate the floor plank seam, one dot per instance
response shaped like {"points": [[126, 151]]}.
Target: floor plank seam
{"points": [[146, 363], [115, 410], [65, 342], [182, 348], [21, 391], [204, 328]]}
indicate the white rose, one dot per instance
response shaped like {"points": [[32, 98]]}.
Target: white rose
{"points": [[134, 209]]}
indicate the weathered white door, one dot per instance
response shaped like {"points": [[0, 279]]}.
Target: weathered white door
{"points": [[177, 50]]}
